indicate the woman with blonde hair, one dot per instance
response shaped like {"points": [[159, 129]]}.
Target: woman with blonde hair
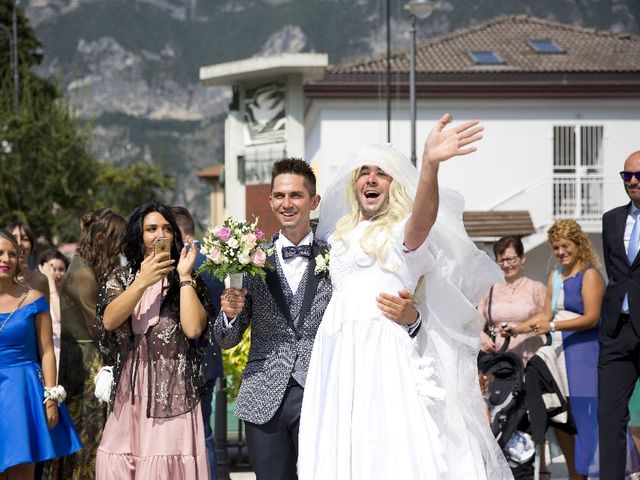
{"points": [[101, 238], [571, 312], [35, 425]]}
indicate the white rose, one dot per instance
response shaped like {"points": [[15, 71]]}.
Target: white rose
{"points": [[233, 242], [244, 259]]}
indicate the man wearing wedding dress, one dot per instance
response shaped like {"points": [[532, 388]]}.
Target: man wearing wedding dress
{"points": [[379, 404], [284, 313]]}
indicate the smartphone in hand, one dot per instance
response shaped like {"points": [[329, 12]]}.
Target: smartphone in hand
{"points": [[161, 245]]}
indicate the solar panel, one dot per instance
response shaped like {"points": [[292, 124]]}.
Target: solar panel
{"points": [[545, 46], [486, 57]]}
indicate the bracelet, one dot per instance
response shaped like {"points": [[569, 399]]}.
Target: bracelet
{"points": [[190, 282], [552, 326], [57, 393]]}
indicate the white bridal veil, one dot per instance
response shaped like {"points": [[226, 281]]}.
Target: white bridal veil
{"points": [[461, 275]]}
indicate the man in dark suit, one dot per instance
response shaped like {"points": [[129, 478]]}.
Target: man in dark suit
{"points": [[619, 364], [212, 361], [284, 313]]}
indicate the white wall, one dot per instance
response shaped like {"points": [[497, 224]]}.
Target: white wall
{"points": [[234, 192], [515, 155]]}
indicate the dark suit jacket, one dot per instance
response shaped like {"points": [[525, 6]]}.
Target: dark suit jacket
{"points": [[279, 336], [212, 362], [623, 278]]}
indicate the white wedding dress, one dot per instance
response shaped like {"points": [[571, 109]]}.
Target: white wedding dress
{"points": [[375, 406]]}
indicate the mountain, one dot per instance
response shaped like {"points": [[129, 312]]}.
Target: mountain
{"points": [[130, 67]]}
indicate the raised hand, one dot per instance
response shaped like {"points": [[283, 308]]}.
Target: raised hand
{"points": [[47, 270], [155, 267], [187, 260], [443, 144]]}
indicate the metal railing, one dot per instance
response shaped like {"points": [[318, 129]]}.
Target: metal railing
{"points": [[561, 196], [581, 198]]}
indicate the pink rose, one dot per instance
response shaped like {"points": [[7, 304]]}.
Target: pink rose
{"points": [[249, 240], [215, 255], [223, 233], [259, 258], [259, 234]]}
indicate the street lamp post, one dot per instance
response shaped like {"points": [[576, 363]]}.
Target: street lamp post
{"points": [[419, 9], [16, 75]]}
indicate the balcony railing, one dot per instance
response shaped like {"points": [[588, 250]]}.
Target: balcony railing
{"points": [[562, 196], [580, 198]]}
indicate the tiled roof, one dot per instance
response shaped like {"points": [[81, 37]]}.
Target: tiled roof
{"points": [[496, 224], [585, 50], [214, 171]]}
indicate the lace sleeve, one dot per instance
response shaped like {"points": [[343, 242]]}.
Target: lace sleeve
{"points": [[118, 340], [539, 295]]}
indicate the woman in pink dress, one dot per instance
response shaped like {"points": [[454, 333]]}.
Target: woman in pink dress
{"points": [[154, 325], [514, 301]]}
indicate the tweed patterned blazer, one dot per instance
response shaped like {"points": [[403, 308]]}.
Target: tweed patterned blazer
{"points": [[283, 328]]}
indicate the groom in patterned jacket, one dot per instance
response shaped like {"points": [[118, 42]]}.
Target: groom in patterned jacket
{"points": [[284, 314]]}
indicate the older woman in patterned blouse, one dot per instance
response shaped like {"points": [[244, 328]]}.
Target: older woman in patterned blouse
{"points": [[154, 320], [514, 301]]}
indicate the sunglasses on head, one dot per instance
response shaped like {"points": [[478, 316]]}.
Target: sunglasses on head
{"points": [[626, 176]]}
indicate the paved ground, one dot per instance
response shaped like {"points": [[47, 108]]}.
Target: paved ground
{"points": [[243, 476], [558, 471]]}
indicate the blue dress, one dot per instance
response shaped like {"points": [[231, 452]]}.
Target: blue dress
{"points": [[24, 434], [581, 351]]}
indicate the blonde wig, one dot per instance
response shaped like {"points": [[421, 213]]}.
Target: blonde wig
{"points": [[372, 243], [570, 230]]}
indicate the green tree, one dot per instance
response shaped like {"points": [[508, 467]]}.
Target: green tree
{"points": [[124, 188], [47, 174]]}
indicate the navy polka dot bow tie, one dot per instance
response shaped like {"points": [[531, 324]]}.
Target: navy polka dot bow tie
{"points": [[302, 251]]}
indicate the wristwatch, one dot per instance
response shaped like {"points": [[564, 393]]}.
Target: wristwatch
{"points": [[552, 326], [191, 282]]}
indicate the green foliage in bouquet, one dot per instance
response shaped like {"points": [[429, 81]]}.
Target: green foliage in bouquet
{"points": [[234, 247]]}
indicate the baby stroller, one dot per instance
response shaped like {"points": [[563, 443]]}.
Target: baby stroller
{"points": [[508, 410], [546, 398]]}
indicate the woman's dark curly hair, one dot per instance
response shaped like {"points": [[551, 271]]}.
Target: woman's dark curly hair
{"points": [[134, 249]]}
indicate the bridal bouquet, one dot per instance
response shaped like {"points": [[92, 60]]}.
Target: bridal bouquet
{"points": [[234, 248]]}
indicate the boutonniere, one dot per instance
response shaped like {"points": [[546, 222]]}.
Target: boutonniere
{"points": [[322, 264]]}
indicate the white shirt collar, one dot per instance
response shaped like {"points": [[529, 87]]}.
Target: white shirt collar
{"points": [[285, 242]]}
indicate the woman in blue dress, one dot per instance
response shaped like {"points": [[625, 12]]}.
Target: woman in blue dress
{"points": [[571, 313], [33, 426]]}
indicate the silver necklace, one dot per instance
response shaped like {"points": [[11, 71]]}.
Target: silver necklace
{"points": [[6, 320], [515, 285]]}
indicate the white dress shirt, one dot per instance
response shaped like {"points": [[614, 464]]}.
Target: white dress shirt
{"points": [[627, 235], [293, 268], [628, 227]]}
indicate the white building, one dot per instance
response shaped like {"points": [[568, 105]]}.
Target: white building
{"points": [[560, 106]]}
